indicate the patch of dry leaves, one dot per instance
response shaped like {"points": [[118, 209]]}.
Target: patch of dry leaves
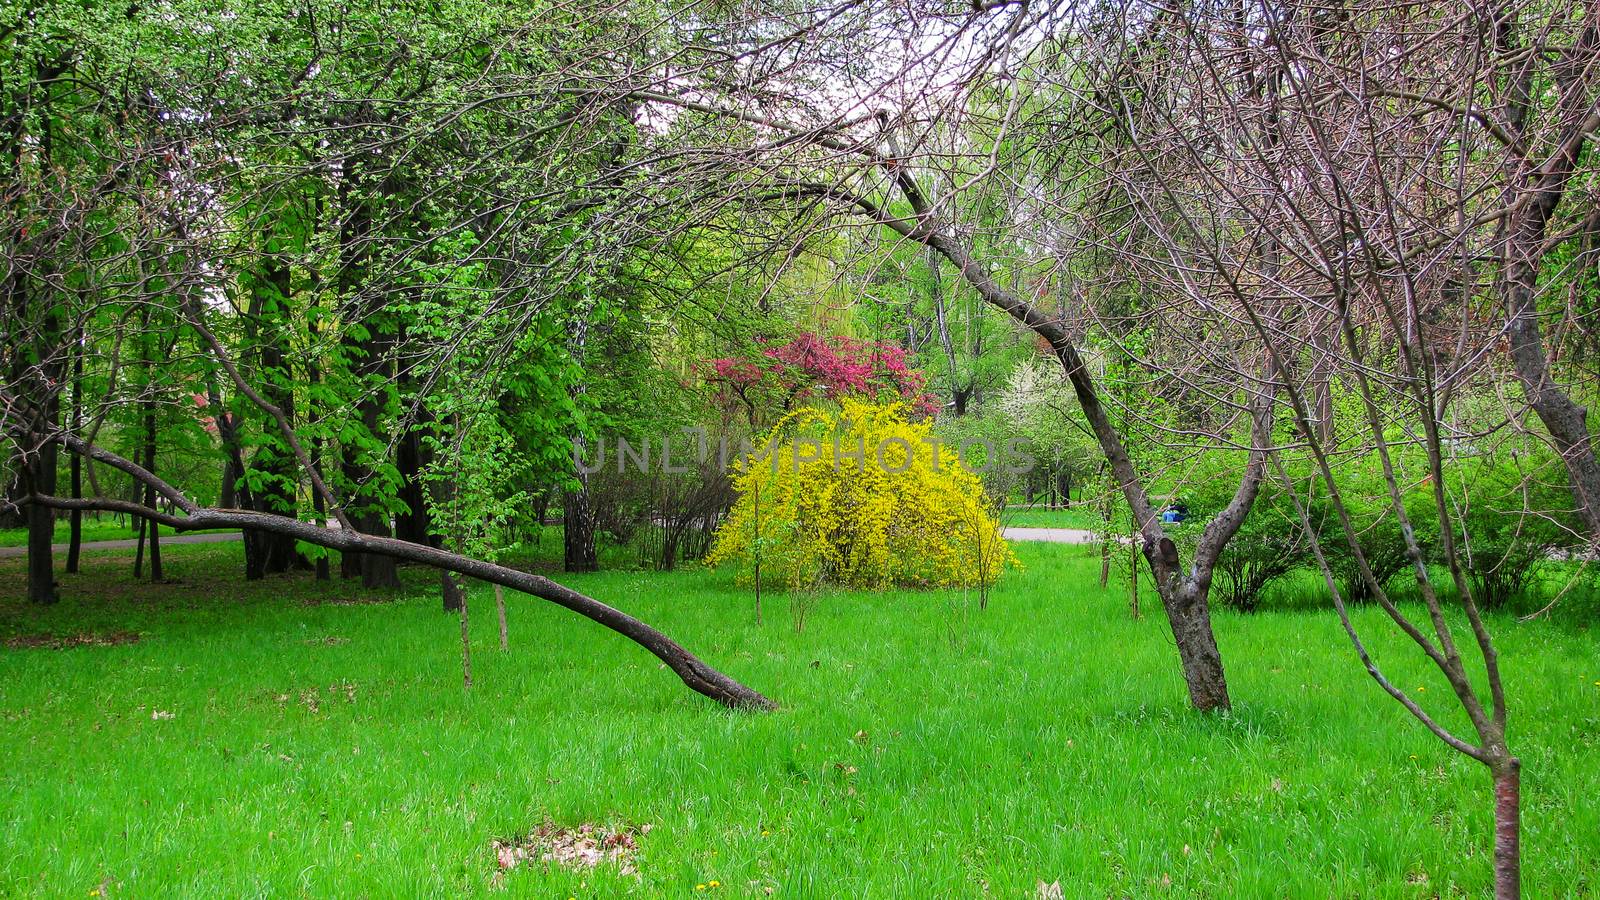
{"points": [[583, 846], [68, 641]]}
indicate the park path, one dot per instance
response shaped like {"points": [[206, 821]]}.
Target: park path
{"points": [[130, 543], [1051, 535], [1048, 535]]}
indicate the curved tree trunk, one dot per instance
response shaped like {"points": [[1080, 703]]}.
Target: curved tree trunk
{"points": [[698, 676]]}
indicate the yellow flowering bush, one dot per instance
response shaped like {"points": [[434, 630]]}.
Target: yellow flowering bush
{"points": [[862, 497]]}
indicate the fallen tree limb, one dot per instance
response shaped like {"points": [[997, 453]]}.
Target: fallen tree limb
{"points": [[699, 677]]}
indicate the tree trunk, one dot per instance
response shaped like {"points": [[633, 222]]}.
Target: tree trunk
{"points": [[1566, 420], [1508, 830], [378, 572], [450, 590], [411, 524], [466, 634], [1207, 687], [75, 540], [42, 528], [577, 526], [39, 471], [370, 363], [1190, 618], [960, 396], [139, 523], [500, 611], [318, 508], [1133, 575], [150, 491], [577, 515], [228, 497]]}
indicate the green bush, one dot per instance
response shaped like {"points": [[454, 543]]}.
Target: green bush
{"points": [[1378, 534], [1268, 547], [1512, 514]]}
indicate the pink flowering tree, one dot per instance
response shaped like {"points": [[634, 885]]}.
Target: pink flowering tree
{"points": [[777, 377]]}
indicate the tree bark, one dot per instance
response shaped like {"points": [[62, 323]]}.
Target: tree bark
{"points": [[41, 473], [150, 492], [412, 523], [577, 527], [1508, 830], [466, 635], [39, 466], [1190, 618], [75, 540], [577, 515], [1536, 197], [450, 590], [500, 611], [140, 524]]}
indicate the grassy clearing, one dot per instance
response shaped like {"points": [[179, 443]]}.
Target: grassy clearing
{"points": [[94, 529], [1081, 516], [326, 747]]}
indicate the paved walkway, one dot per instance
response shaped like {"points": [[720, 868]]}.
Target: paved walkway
{"points": [[130, 543], [1048, 535], [1051, 535]]}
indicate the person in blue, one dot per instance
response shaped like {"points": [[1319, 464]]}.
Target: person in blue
{"points": [[1175, 513]]}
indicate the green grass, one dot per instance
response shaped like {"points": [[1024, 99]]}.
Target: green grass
{"points": [[94, 529], [1077, 516], [924, 749]]}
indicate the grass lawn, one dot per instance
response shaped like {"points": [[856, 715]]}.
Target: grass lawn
{"points": [[1078, 516], [275, 738], [94, 529]]}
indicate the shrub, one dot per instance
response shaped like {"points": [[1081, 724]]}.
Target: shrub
{"points": [[1269, 546], [1508, 521], [1256, 557], [902, 512], [1377, 534]]}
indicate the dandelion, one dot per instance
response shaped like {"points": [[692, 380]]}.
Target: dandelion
{"points": [[699, 887], [715, 883], [1421, 690]]}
